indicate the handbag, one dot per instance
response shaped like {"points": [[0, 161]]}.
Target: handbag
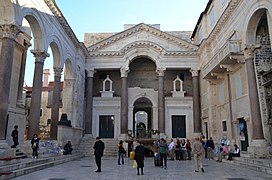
{"points": [[134, 165]]}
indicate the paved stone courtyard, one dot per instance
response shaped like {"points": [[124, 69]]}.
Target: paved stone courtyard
{"points": [[83, 169]]}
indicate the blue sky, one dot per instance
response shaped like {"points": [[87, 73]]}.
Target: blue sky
{"points": [[86, 16]]}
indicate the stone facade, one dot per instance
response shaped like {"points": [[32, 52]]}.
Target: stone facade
{"points": [[216, 82]]}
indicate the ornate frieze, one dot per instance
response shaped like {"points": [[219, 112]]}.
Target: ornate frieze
{"points": [[9, 31], [146, 28]]}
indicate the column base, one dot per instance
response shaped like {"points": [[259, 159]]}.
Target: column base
{"points": [[258, 149], [199, 135], [88, 135], [5, 150], [163, 135], [123, 137]]}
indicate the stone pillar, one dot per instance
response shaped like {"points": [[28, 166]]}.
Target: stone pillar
{"points": [[257, 147], [253, 94], [89, 102], [55, 103], [196, 102], [8, 34], [20, 102], [232, 123], [34, 116], [124, 101], [161, 109]]}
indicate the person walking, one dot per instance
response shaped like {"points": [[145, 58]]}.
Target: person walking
{"points": [[139, 158], [35, 146], [121, 152], [198, 151], [14, 135], [98, 147], [163, 152], [210, 148]]}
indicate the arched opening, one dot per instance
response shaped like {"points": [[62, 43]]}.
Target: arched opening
{"points": [[142, 118]]}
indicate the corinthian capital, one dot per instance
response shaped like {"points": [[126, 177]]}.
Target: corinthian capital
{"points": [[249, 50], [124, 71], [160, 71], [9, 31], [194, 71], [39, 55], [58, 71], [90, 72]]}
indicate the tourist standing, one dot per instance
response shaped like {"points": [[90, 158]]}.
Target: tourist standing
{"points": [[139, 158], [121, 152], [163, 152], [98, 147], [189, 149], [210, 148], [35, 146], [171, 148], [177, 149], [199, 151], [14, 135]]}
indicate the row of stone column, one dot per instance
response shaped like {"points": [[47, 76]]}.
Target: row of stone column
{"points": [[8, 34], [124, 101]]}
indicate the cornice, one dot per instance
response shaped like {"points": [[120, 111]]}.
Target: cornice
{"points": [[140, 28], [66, 27]]}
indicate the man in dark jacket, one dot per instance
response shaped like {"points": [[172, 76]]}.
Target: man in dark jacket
{"points": [[99, 147], [139, 158], [210, 147]]}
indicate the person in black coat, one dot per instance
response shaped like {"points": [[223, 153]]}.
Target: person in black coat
{"points": [[99, 147], [35, 146], [68, 148], [14, 135], [139, 158]]}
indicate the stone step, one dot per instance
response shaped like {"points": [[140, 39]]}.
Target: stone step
{"points": [[261, 165], [30, 165]]}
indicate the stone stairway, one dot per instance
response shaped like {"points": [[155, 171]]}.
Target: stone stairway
{"points": [[261, 165], [14, 167], [86, 146]]}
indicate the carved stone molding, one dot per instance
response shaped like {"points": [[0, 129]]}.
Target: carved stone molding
{"points": [[39, 55], [219, 76], [124, 71], [194, 71], [58, 71], [9, 31], [249, 50]]}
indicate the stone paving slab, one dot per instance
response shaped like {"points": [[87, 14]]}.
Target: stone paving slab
{"points": [[83, 169]]}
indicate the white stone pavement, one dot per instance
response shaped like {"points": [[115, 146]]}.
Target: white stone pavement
{"points": [[83, 169]]}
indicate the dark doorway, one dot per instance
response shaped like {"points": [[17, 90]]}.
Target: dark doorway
{"points": [[142, 118], [106, 126], [179, 126], [243, 134]]}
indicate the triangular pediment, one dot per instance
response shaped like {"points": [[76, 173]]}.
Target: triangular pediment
{"points": [[142, 35]]}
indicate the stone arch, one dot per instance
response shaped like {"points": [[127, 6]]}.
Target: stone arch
{"points": [[68, 69], [133, 52], [56, 48], [37, 27]]}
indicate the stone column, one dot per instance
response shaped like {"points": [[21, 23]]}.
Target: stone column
{"points": [[253, 94], [8, 34], [196, 102], [34, 116], [124, 100], [89, 102], [233, 134], [161, 113], [20, 102], [55, 103]]}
